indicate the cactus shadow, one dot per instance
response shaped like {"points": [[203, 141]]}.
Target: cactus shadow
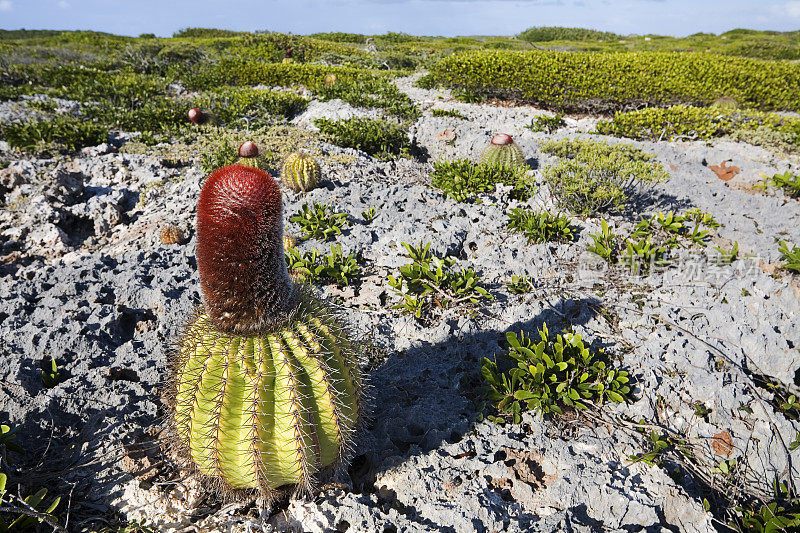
{"points": [[426, 396]]}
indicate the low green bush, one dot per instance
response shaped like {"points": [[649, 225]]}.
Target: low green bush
{"points": [[551, 376], [520, 285], [374, 136], [791, 256], [540, 227], [319, 221], [593, 176], [430, 284], [686, 122], [605, 82], [542, 34], [446, 113], [461, 179], [314, 267], [62, 132], [232, 104], [547, 124], [790, 183]]}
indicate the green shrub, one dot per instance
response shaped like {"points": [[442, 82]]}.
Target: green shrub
{"points": [[447, 113], [550, 376], [340, 37], [686, 122], [547, 124], [357, 87], [373, 136], [593, 176], [430, 283], [232, 104], [540, 227], [63, 131], [461, 179], [520, 285], [791, 257], [543, 34], [603, 82], [314, 267], [790, 183], [204, 33], [319, 221]]}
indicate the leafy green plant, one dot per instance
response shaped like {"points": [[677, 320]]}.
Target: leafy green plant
{"points": [[430, 283], [520, 285], [605, 244], [540, 227], [790, 183], [658, 445], [540, 34], [447, 113], [221, 155], [373, 136], [50, 374], [791, 257], [319, 221], [781, 514], [551, 375], [369, 214], [547, 124], [313, 267], [726, 257], [461, 179], [26, 509], [593, 176]]}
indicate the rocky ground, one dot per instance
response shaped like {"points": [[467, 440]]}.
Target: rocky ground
{"points": [[87, 281]]}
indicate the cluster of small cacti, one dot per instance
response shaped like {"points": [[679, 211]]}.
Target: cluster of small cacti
{"points": [[503, 151], [265, 388], [300, 172]]}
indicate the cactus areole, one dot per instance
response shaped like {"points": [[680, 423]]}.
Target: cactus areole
{"points": [[265, 387]]}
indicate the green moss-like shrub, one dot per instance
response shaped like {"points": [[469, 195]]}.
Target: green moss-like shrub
{"points": [[461, 179], [231, 104], [593, 176], [604, 82], [373, 136], [686, 122], [543, 34]]}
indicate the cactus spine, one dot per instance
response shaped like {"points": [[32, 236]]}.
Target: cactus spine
{"points": [[502, 150], [300, 172], [265, 391]]}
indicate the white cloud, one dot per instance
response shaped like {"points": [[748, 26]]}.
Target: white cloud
{"points": [[63, 4], [6, 5], [792, 9]]}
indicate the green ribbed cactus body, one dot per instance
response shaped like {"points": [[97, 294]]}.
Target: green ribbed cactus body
{"points": [[267, 410], [300, 172], [502, 150]]}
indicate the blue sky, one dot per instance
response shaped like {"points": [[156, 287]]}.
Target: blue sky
{"points": [[420, 17]]}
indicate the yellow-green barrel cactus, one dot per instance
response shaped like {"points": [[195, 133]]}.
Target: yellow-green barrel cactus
{"points": [[265, 388], [502, 150], [300, 172]]}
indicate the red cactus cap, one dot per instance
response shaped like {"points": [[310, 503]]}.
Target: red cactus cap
{"points": [[248, 149], [243, 275], [195, 115], [502, 139]]}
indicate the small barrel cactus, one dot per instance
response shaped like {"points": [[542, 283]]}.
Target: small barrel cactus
{"points": [[250, 156], [300, 172], [265, 389], [502, 150], [330, 79], [171, 234]]}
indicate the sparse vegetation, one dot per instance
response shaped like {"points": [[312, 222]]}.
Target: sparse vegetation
{"points": [[790, 183], [547, 124], [791, 256], [520, 285], [447, 113]]}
